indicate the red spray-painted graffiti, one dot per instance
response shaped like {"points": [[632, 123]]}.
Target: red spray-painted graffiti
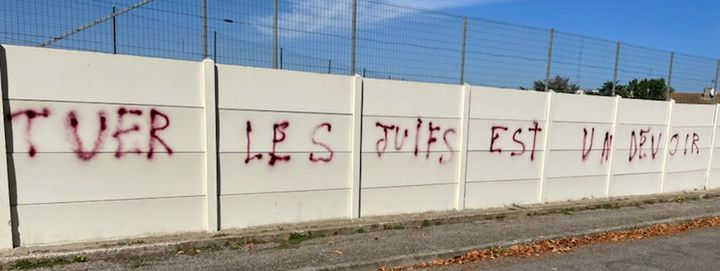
{"points": [[30, 116], [694, 148], [587, 145], [79, 149], [120, 130], [637, 142], [495, 132], [433, 131], [279, 136], [157, 122], [328, 126], [278, 128]]}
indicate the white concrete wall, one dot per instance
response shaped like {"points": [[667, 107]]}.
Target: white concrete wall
{"points": [[303, 119], [506, 146], [237, 147], [714, 169], [639, 147], [410, 154], [579, 147], [689, 145], [83, 125]]}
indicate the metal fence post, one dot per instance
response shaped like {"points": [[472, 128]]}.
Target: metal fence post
{"points": [[615, 69], [462, 51], [281, 59], [717, 75], [353, 42], [114, 31], [669, 81], [204, 29], [549, 60], [275, 34]]}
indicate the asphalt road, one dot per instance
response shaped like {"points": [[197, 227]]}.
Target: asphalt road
{"points": [[691, 250]]}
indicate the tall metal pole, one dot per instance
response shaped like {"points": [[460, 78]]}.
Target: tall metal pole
{"points": [[275, 34], [717, 76], [114, 31], [204, 29], [98, 21], [353, 42], [281, 58], [215, 46], [462, 51], [615, 69], [669, 83], [329, 65], [549, 60]]}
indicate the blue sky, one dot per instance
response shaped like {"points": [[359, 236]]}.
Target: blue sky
{"points": [[506, 46], [691, 26]]}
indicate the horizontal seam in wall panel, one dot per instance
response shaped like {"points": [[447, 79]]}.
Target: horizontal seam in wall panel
{"points": [[637, 173], [505, 150], [413, 152], [286, 191], [575, 176], [581, 122], [504, 180], [643, 125], [409, 185], [646, 149], [108, 103], [109, 200], [112, 152], [277, 152], [410, 117], [517, 120], [284, 111], [691, 126], [598, 149], [685, 171]]}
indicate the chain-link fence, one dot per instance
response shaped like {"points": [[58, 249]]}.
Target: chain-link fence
{"points": [[368, 37]]}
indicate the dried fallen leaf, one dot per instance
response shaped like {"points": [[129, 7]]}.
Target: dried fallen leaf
{"points": [[563, 245]]}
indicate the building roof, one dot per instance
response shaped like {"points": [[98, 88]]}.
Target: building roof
{"points": [[693, 98]]}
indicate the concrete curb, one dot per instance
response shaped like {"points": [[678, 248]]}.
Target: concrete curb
{"points": [[277, 233], [449, 253]]}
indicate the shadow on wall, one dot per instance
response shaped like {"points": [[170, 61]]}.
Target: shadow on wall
{"points": [[9, 149]]}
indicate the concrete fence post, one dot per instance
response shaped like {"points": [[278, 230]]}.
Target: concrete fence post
{"points": [[546, 149], [613, 132], [464, 129], [356, 147], [6, 231], [712, 146], [671, 104], [211, 145]]}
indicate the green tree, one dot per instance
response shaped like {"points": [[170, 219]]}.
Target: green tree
{"points": [[558, 83], [652, 89], [606, 89]]}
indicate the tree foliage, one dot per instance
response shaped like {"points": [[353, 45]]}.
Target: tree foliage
{"points": [[651, 89], [557, 83]]}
